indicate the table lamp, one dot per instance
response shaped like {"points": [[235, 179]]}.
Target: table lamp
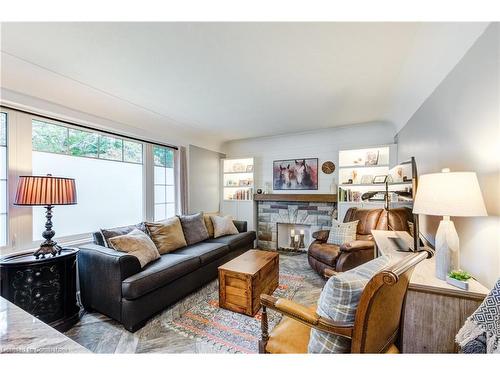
{"points": [[46, 191], [448, 194]]}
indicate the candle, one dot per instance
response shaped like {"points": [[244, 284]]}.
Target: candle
{"points": [[292, 232], [296, 238], [302, 231]]}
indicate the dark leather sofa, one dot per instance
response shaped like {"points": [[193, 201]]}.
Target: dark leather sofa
{"points": [[113, 283], [323, 256]]}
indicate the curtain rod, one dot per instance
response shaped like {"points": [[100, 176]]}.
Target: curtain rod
{"points": [[90, 127]]}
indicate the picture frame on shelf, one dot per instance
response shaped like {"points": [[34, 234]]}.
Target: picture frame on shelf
{"points": [[249, 168], [379, 179], [371, 158]]}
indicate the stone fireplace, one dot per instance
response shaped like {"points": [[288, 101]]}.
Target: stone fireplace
{"points": [[278, 214]]}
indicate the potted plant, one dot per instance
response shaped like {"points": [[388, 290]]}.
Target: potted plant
{"points": [[459, 278]]}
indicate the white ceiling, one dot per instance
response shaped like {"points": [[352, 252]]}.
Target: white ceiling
{"points": [[235, 80]]}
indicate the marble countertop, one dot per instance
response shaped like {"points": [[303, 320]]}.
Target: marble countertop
{"points": [[21, 332]]}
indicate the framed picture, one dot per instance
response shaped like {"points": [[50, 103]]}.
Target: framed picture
{"points": [[371, 158], [379, 179], [249, 168], [295, 174]]}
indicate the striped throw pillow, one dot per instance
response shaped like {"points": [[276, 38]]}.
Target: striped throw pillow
{"points": [[339, 300], [341, 233]]}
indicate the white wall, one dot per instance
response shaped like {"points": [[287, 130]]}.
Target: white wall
{"points": [[203, 179], [458, 127], [322, 144]]}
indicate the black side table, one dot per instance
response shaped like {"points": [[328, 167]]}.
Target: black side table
{"points": [[44, 287]]}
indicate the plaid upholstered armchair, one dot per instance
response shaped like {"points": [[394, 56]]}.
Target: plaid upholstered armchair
{"points": [[373, 329]]}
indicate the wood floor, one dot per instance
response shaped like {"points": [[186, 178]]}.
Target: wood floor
{"points": [[101, 334]]}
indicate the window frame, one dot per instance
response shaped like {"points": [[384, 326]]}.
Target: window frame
{"points": [[19, 162]]}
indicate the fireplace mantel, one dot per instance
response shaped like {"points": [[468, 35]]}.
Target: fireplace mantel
{"points": [[295, 197]]}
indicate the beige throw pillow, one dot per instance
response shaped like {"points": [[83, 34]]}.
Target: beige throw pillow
{"points": [[209, 224], [136, 243], [223, 225], [341, 233], [167, 235]]}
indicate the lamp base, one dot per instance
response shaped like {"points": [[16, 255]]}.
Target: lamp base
{"points": [[447, 248], [47, 247]]}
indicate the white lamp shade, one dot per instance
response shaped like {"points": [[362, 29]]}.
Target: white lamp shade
{"points": [[449, 194]]}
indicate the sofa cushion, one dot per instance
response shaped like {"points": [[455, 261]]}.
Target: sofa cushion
{"points": [[167, 235], [138, 244], [194, 228], [119, 231], [324, 252], [159, 273], [206, 251], [339, 301], [223, 225], [235, 241]]}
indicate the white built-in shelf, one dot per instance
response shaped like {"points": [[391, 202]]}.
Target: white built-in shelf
{"points": [[239, 187], [238, 172], [381, 184], [356, 166]]}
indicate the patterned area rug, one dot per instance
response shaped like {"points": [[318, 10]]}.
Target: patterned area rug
{"points": [[227, 330]]}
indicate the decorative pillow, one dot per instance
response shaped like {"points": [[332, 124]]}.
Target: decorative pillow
{"points": [[138, 244], [341, 233], [223, 225], [194, 228], [120, 231], [339, 300], [167, 235], [208, 223]]}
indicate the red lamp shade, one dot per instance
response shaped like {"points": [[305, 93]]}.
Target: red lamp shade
{"points": [[45, 191]]}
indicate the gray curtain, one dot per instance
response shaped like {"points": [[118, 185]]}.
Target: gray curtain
{"points": [[183, 183]]}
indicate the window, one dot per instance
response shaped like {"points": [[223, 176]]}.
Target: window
{"points": [[108, 172], [3, 179], [119, 180], [164, 185]]}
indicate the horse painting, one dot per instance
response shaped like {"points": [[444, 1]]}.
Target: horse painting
{"points": [[295, 174]]}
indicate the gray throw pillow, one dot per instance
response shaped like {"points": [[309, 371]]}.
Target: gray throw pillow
{"points": [[107, 234], [339, 301], [194, 228]]}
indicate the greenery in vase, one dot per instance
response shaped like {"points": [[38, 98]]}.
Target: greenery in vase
{"points": [[459, 275]]}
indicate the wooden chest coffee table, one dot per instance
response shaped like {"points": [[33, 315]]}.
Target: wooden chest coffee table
{"points": [[243, 279]]}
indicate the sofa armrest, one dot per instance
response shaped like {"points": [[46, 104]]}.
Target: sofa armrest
{"points": [[321, 235], [240, 225], [101, 272], [357, 245]]}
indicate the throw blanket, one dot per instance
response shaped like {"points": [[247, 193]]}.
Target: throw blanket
{"points": [[481, 331]]}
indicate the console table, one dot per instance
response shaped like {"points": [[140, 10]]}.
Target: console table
{"points": [[44, 287], [434, 310]]}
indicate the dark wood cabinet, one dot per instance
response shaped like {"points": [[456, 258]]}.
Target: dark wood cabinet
{"points": [[46, 288]]}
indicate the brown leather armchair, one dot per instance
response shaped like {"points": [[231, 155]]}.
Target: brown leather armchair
{"points": [[323, 256], [377, 321]]}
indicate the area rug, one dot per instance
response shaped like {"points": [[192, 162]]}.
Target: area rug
{"points": [[226, 330]]}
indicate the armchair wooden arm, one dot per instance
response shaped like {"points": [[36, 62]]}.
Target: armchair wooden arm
{"points": [[301, 314]]}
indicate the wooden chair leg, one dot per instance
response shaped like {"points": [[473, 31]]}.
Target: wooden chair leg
{"points": [[265, 333]]}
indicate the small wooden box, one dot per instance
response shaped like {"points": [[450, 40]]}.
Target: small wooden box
{"points": [[243, 279]]}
